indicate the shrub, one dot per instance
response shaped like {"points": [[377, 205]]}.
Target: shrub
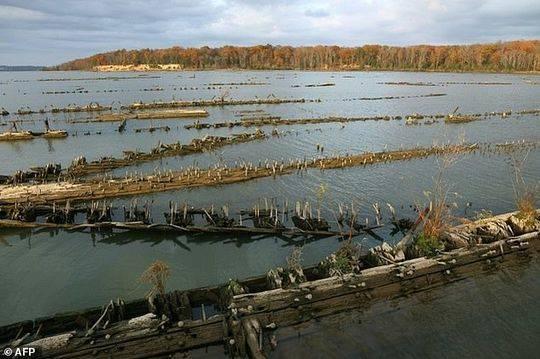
{"points": [[427, 245]]}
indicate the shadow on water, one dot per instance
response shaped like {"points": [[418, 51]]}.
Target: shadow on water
{"points": [[20, 233], [130, 237], [108, 236]]}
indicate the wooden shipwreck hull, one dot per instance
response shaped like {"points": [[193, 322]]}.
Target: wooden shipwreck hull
{"points": [[92, 189], [216, 102], [243, 323], [130, 115], [197, 145], [165, 227], [81, 167], [95, 189]]}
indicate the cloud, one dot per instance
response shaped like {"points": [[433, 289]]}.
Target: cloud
{"points": [[320, 12], [14, 13], [436, 5], [53, 31]]}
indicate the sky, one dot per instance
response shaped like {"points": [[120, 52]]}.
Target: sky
{"points": [[49, 32]]}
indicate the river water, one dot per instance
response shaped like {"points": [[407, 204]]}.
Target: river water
{"points": [[493, 315], [47, 272]]}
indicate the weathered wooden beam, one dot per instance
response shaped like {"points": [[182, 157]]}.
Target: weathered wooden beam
{"points": [[253, 332], [144, 342], [313, 291]]}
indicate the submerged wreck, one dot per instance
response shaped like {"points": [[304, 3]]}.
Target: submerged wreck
{"points": [[409, 119], [459, 118], [213, 102], [146, 115], [242, 316], [91, 107], [80, 166]]}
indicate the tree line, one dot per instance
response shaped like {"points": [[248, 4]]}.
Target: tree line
{"points": [[497, 57]]}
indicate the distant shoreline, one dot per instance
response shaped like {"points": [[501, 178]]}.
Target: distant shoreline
{"points": [[18, 68], [147, 68]]}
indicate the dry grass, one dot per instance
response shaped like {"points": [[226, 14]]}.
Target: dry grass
{"points": [[524, 193], [294, 260], [438, 217], [526, 203], [156, 275], [295, 273]]}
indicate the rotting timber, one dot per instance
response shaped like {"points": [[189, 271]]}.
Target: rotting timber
{"points": [[91, 189], [242, 315], [272, 121], [233, 229]]}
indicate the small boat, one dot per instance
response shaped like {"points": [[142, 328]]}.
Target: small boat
{"points": [[49, 133], [457, 118], [55, 134], [16, 136]]}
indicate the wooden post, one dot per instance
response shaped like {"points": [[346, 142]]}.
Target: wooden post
{"points": [[252, 338]]}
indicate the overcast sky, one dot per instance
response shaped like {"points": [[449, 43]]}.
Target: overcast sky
{"points": [[47, 32]]}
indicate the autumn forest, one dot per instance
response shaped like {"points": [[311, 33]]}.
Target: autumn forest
{"points": [[514, 56]]}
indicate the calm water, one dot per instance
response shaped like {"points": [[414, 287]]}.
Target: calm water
{"points": [[489, 316], [48, 272]]}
